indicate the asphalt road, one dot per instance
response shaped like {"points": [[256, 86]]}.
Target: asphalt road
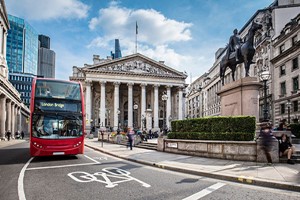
{"points": [[98, 176]]}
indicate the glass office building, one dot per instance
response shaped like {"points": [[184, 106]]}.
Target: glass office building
{"points": [[22, 82], [22, 56], [22, 47]]}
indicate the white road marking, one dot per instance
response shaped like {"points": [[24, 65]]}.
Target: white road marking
{"points": [[100, 158], [91, 159], [110, 172], [205, 191], [61, 166], [21, 192]]}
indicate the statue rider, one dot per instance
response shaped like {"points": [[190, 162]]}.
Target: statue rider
{"points": [[234, 44]]}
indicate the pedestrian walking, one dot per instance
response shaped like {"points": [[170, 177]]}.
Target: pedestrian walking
{"points": [[266, 134], [22, 134], [130, 137], [8, 133]]}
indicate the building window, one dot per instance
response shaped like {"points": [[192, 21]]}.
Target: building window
{"points": [[296, 83], [282, 108], [282, 70], [294, 40], [295, 63], [281, 48], [295, 106], [282, 88]]}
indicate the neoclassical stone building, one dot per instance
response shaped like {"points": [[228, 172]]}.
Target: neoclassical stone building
{"points": [[128, 91], [13, 113]]}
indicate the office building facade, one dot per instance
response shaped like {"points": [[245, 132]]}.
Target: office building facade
{"points": [[46, 58], [22, 47], [22, 55]]}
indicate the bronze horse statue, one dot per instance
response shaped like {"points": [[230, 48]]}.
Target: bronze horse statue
{"points": [[246, 53]]}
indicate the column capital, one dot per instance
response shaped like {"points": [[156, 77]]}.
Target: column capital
{"points": [[102, 82], [8, 100], [2, 96], [180, 88], [156, 85], [88, 81], [169, 86], [117, 83], [143, 84], [130, 84]]}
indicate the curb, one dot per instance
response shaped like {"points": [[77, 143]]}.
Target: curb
{"points": [[237, 179]]}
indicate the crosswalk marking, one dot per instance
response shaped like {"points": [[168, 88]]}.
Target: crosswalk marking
{"points": [[205, 192]]}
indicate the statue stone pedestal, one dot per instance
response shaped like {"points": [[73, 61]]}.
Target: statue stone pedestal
{"points": [[241, 98]]}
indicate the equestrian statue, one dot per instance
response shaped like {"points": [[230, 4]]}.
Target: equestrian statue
{"points": [[238, 52]]}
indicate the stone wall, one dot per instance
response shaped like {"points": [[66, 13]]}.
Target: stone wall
{"points": [[231, 150]]}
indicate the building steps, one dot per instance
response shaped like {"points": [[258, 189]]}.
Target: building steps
{"points": [[295, 157]]}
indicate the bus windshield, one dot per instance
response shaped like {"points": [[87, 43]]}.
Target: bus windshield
{"points": [[56, 126], [57, 89]]}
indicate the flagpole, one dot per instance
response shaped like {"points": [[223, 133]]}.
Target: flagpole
{"points": [[135, 43], [136, 33]]}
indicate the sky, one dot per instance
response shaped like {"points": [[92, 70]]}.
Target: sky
{"points": [[183, 33]]}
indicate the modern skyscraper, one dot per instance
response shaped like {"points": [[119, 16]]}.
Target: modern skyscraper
{"points": [[22, 56], [46, 61], [117, 53], [22, 47], [44, 41]]}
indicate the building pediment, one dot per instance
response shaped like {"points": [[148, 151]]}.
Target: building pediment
{"points": [[135, 64]]}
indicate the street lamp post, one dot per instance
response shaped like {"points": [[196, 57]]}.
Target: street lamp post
{"points": [[135, 107], [265, 76], [288, 104], [164, 97]]}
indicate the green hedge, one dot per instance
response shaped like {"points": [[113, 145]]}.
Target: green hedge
{"points": [[295, 128], [216, 124], [233, 128], [237, 136]]}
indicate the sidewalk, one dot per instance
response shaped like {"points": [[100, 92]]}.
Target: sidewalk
{"points": [[12, 142], [279, 175]]}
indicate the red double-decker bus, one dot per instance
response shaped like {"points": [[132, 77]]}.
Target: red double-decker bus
{"points": [[56, 118]]}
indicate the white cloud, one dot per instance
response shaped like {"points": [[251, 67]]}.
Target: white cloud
{"points": [[45, 10], [153, 27], [156, 35]]}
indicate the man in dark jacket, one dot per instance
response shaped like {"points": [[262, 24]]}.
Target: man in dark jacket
{"points": [[266, 134], [8, 134]]}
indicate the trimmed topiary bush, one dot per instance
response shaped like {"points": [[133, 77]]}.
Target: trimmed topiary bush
{"points": [[234, 128]]}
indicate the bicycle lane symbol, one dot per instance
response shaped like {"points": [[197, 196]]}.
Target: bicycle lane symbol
{"points": [[110, 172]]}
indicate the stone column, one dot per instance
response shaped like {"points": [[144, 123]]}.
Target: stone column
{"points": [[2, 40], [155, 109], [12, 120], [2, 117], [116, 104], [16, 125], [143, 103], [102, 104], [180, 103], [130, 105], [8, 116], [88, 103], [168, 109], [19, 119]]}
